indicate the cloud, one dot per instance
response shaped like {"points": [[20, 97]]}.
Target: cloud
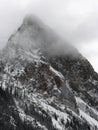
{"points": [[76, 21]]}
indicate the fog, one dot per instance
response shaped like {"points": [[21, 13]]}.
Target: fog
{"points": [[75, 21]]}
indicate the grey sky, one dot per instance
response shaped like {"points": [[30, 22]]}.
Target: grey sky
{"points": [[74, 20]]}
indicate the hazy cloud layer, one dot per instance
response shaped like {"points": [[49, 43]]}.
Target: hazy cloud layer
{"points": [[75, 20]]}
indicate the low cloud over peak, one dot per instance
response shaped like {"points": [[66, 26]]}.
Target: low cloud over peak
{"points": [[76, 21]]}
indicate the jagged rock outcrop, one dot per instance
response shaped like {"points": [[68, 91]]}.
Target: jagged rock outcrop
{"points": [[44, 86]]}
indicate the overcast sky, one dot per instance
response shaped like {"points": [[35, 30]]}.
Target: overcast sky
{"points": [[75, 20]]}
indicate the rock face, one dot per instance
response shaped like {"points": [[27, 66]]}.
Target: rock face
{"points": [[44, 86]]}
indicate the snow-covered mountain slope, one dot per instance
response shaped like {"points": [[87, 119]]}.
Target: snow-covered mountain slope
{"points": [[41, 89]]}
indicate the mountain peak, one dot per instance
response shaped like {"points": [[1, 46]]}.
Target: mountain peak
{"points": [[34, 34], [31, 20], [45, 84]]}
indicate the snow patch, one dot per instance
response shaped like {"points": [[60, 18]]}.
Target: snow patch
{"points": [[89, 119], [57, 72]]}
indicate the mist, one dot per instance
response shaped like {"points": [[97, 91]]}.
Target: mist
{"points": [[75, 21]]}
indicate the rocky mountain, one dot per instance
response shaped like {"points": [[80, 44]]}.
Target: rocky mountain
{"points": [[45, 83]]}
